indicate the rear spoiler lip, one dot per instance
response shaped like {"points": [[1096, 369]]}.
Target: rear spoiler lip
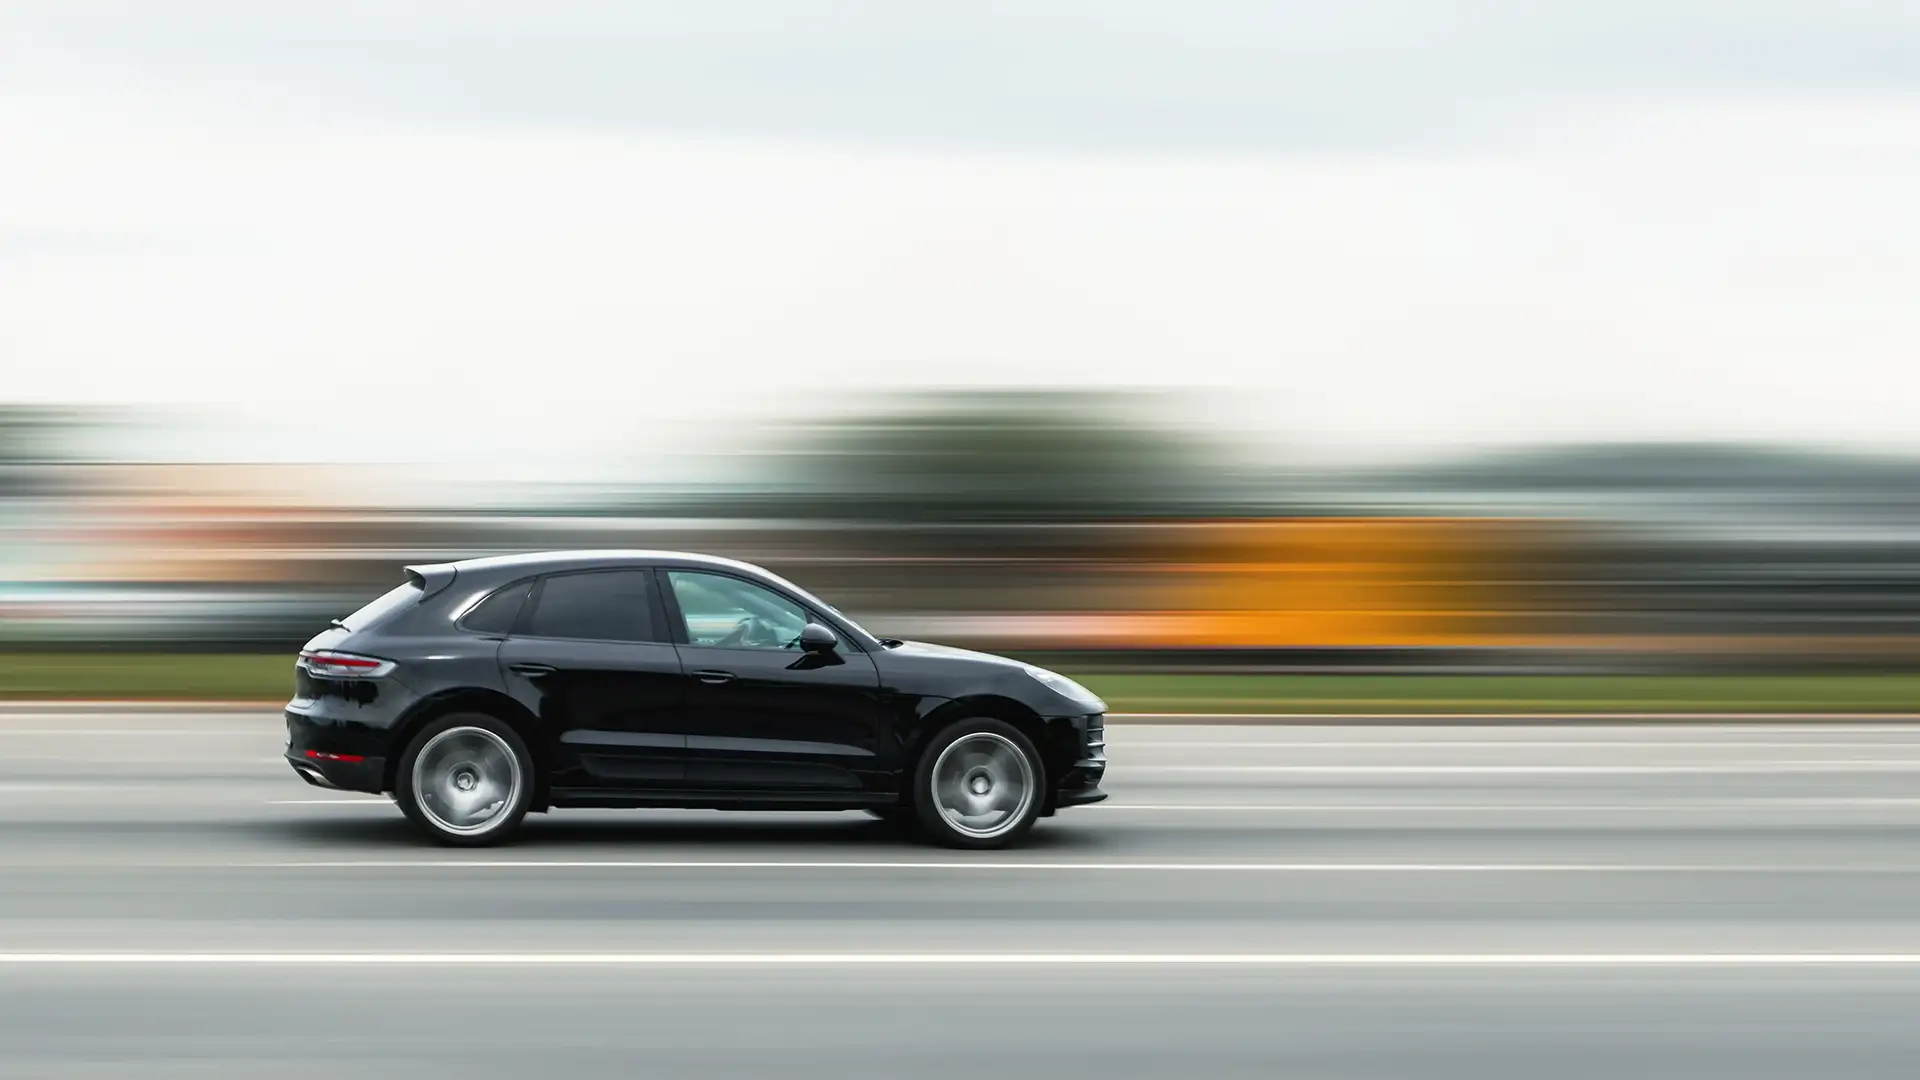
{"points": [[431, 577]]}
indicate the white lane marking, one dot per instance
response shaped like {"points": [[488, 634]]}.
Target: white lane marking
{"points": [[966, 959], [1484, 719], [1513, 744], [1755, 803], [143, 733], [1758, 803], [1051, 867], [1723, 768]]}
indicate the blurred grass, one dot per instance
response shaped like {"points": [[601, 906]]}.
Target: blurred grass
{"points": [[103, 676], [153, 676]]}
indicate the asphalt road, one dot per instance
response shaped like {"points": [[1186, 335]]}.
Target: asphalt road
{"points": [[1674, 901]]}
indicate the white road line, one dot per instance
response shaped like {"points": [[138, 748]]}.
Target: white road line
{"points": [[966, 959], [1756, 803], [1637, 746], [1774, 721], [263, 732], [1717, 769], [1759, 803], [1054, 867]]}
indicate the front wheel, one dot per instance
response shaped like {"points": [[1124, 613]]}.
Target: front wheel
{"points": [[465, 780], [978, 785]]}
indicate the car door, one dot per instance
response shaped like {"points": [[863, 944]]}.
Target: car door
{"points": [[592, 657], [763, 715]]}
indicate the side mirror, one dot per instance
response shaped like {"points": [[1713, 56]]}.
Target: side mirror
{"points": [[815, 638]]}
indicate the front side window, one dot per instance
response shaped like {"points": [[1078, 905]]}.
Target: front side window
{"points": [[603, 605], [728, 613]]}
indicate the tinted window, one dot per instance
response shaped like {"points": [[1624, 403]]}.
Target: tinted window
{"points": [[731, 613], [398, 597], [607, 605], [496, 613]]}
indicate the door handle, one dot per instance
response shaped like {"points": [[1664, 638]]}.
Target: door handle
{"points": [[531, 671], [714, 677]]}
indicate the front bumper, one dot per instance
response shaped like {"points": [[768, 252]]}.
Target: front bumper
{"points": [[1080, 782], [1079, 798]]}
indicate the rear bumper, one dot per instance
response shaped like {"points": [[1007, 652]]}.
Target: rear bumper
{"points": [[347, 757], [367, 774]]}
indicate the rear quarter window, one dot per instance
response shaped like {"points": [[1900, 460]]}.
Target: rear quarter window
{"points": [[398, 599], [496, 614]]}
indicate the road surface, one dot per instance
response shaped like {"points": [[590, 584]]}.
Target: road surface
{"points": [[1418, 901]]}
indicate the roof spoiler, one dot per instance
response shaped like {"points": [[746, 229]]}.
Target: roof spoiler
{"points": [[431, 577]]}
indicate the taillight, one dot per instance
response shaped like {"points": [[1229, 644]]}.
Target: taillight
{"points": [[339, 665]]}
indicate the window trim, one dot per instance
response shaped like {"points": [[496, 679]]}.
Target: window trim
{"points": [[677, 621], [522, 625]]}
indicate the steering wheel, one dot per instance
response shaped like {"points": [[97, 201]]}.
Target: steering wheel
{"points": [[752, 632]]}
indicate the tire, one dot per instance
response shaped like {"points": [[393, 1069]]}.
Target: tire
{"points": [[450, 760], [980, 785]]}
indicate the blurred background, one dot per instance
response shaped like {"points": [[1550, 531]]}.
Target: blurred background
{"points": [[1386, 355]]}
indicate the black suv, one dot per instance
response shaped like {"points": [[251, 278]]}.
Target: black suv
{"points": [[480, 690]]}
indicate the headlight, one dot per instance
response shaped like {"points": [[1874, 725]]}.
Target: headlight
{"points": [[1066, 688]]}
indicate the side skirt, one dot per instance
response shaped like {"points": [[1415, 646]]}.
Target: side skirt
{"points": [[579, 798]]}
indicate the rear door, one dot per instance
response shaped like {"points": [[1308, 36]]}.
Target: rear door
{"points": [[592, 658], [762, 715]]}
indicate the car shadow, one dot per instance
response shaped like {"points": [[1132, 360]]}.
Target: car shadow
{"points": [[674, 830]]}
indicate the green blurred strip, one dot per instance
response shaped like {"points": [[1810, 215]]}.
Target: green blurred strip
{"points": [[105, 676], [145, 676]]}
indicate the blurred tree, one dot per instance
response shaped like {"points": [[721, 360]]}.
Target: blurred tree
{"points": [[995, 456]]}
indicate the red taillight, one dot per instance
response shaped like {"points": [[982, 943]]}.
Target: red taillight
{"points": [[339, 665], [322, 755]]}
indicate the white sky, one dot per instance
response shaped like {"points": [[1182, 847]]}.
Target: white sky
{"points": [[488, 234]]}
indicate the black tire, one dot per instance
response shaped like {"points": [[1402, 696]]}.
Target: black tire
{"points": [[480, 751], [973, 764]]}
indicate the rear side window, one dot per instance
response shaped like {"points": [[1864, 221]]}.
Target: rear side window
{"points": [[496, 614], [604, 605], [399, 598]]}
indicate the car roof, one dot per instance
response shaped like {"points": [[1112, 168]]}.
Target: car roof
{"points": [[497, 569], [549, 561]]}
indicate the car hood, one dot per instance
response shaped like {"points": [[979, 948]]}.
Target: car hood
{"points": [[915, 649]]}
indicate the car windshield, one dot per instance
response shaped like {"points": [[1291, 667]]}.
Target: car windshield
{"points": [[823, 607]]}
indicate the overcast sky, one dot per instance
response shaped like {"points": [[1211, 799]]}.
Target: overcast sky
{"points": [[524, 231]]}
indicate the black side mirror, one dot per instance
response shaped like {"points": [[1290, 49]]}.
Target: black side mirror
{"points": [[815, 638]]}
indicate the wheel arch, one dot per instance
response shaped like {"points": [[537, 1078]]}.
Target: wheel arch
{"points": [[994, 706], [474, 699]]}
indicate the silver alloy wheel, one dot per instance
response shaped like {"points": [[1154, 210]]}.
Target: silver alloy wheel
{"points": [[983, 785], [465, 778]]}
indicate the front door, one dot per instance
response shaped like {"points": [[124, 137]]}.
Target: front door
{"points": [[593, 662], [762, 715]]}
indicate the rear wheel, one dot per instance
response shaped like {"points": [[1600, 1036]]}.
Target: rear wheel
{"points": [[978, 785], [465, 780]]}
